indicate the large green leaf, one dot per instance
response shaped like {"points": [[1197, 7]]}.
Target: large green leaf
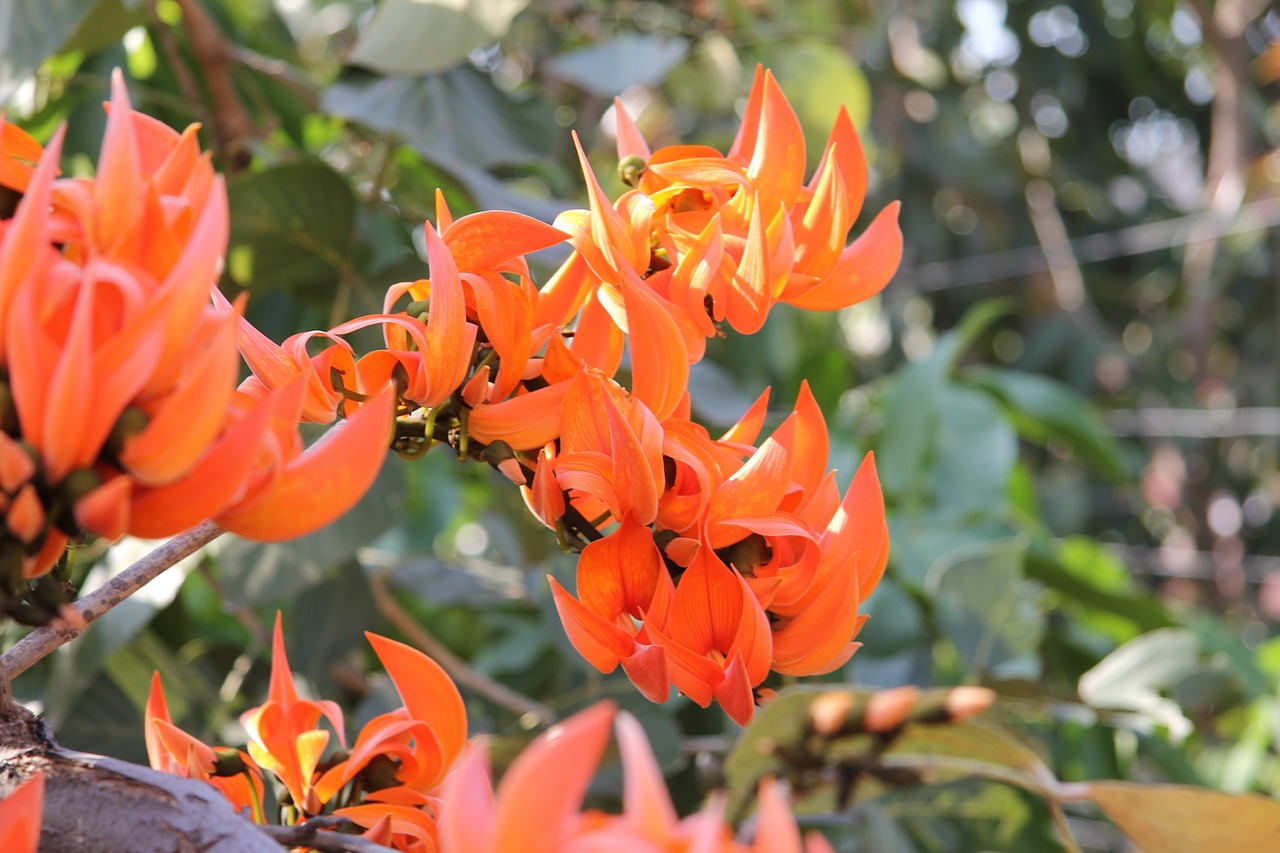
{"points": [[988, 610], [425, 36], [914, 408], [292, 226], [630, 59], [30, 32], [976, 452], [461, 123], [1045, 409], [452, 118]]}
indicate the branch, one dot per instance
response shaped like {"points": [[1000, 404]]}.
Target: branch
{"points": [[451, 663], [231, 122], [315, 835], [109, 806], [42, 641]]}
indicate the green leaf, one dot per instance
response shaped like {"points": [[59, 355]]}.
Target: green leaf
{"points": [[30, 32], [292, 226], [426, 36], [972, 741], [1186, 819], [1084, 571], [976, 452], [912, 404], [988, 610], [330, 620], [1134, 676], [919, 540], [616, 64], [106, 24], [461, 123], [458, 117], [1044, 409]]}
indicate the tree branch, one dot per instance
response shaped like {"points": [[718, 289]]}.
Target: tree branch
{"points": [[451, 663], [42, 641], [316, 835], [232, 124]]}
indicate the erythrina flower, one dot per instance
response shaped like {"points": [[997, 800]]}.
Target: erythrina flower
{"points": [[283, 737], [105, 307], [476, 820], [20, 816], [424, 738], [171, 750]]}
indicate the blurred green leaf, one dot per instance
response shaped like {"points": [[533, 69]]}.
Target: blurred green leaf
{"points": [[31, 31], [106, 24], [327, 625], [1044, 409], [1134, 676], [453, 118], [919, 540], [1184, 819], [292, 226], [425, 36], [976, 452], [1086, 572], [914, 408], [988, 610], [629, 59]]}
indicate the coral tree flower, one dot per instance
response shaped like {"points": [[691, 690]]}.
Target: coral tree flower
{"points": [[171, 750], [478, 820], [20, 816], [283, 737], [105, 287]]}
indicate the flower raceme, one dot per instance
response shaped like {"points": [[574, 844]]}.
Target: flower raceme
{"points": [[394, 770], [119, 411], [476, 819], [724, 559], [413, 781]]}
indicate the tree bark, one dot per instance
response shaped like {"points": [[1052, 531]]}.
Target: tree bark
{"points": [[110, 806]]}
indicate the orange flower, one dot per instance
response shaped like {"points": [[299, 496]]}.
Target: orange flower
{"points": [[171, 750], [283, 737], [424, 738], [744, 231], [104, 307], [475, 820], [621, 578], [20, 816], [716, 637]]}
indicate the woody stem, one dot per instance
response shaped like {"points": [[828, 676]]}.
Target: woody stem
{"points": [[42, 641]]}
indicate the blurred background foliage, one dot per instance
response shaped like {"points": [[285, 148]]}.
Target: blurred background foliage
{"points": [[1071, 386]]}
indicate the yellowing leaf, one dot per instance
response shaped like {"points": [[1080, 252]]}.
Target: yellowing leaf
{"points": [[1185, 819]]}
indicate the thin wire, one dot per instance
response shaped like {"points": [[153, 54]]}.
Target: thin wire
{"points": [[1104, 246]]}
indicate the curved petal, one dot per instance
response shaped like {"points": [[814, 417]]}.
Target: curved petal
{"points": [[324, 482]]}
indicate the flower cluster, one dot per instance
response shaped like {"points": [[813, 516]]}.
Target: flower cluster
{"points": [[706, 563], [412, 780], [119, 411], [393, 771]]}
